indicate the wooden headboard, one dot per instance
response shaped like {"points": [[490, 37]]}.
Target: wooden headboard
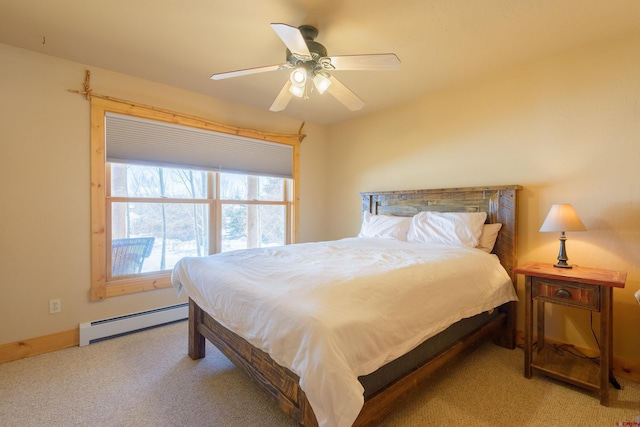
{"points": [[499, 202]]}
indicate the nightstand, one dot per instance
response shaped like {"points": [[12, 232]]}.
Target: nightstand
{"points": [[579, 287]]}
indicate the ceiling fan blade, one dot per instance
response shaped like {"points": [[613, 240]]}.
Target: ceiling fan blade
{"points": [[344, 95], [247, 71], [283, 98], [292, 38], [382, 61]]}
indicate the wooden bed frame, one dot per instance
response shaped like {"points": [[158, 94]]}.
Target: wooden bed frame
{"points": [[501, 205]]}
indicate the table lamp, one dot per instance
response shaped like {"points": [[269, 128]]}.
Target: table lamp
{"points": [[562, 218]]}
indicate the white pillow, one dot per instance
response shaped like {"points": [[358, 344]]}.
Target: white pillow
{"points": [[488, 237], [384, 226], [451, 228]]}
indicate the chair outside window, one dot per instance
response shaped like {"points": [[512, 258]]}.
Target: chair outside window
{"points": [[128, 255]]}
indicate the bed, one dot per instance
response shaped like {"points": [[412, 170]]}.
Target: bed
{"points": [[278, 362]]}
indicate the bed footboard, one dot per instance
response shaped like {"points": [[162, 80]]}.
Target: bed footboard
{"points": [[197, 349], [283, 385], [279, 382]]}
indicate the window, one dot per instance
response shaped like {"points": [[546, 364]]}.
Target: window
{"points": [[158, 215], [148, 211], [254, 211]]}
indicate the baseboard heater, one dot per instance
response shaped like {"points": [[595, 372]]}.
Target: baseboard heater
{"points": [[99, 330]]}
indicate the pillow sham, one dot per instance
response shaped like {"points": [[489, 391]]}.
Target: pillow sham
{"points": [[488, 237], [384, 226], [450, 228]]}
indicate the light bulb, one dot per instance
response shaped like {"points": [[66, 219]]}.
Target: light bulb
{"points": [[298, 77]]}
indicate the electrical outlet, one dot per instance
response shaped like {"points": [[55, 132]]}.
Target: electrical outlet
{"points": [[55, 306]]}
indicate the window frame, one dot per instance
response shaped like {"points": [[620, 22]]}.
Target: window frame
{"points": [[101, 286]]}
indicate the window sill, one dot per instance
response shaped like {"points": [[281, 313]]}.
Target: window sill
{"points": [[138, 284]]}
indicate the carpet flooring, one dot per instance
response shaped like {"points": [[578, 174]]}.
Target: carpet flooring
{"points": [[147, 379]]}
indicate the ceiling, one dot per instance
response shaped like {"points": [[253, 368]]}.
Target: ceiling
{"points": [[440, 43]]}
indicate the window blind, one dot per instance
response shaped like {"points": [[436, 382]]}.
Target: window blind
{"points": [[131, 139]]}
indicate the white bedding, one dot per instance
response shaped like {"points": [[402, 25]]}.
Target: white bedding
{"points": [[332, 311]]}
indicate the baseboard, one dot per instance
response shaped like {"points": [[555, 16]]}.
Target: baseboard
{"points": [[40, 345], [113, 327], [93, 331], [625, 368]]}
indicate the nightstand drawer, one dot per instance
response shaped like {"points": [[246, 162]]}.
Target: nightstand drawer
{"points": [[561, 292]]}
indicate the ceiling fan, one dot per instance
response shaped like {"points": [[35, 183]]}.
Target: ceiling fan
{"points": [[308, 61]]}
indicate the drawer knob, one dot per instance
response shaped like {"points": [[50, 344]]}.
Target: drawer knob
{"points": [[563, 293]]}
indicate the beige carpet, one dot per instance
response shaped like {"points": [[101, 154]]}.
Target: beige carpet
{"points": [[147, 379]]}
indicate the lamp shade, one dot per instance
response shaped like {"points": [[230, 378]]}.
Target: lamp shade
{"points": [[297, 90], [322, 82], [562, 218]]}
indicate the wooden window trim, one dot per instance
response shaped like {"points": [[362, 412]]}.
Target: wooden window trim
{"points": [[100, 287]]}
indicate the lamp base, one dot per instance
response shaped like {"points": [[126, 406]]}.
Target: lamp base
{"points": [[562, 255], [565, 265]]}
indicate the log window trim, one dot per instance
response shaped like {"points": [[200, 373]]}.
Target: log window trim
{"points": [[100, 288]]}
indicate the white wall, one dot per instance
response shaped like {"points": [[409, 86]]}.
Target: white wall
{"points": [[567, 129], [45, 186]]}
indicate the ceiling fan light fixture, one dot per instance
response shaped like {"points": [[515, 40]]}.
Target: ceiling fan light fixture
{"points": [[307, 59], [321, 81], [296, 90], [298, 77]]}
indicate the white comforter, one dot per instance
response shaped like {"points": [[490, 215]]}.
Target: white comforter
{"points": [[332, 311]]}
